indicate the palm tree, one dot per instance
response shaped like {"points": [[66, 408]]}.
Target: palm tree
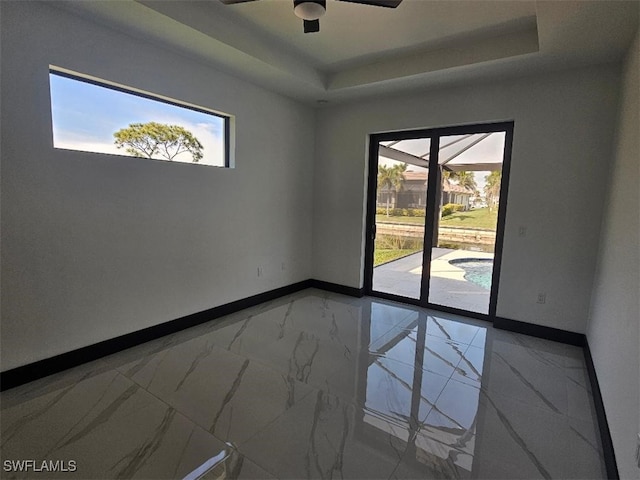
{"points": [[448, 174], [399, 184], [391, 178], [466, 180], [492, 188]]}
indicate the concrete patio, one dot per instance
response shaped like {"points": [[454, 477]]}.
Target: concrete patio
{"points": [[448, 287]]}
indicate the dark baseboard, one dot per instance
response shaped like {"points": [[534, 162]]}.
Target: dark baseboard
{"points": [[603, 425], [48, 366], [336, 288], [548, 333]]}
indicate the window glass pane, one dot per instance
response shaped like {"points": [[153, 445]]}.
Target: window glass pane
{"points": [[94, 118]]}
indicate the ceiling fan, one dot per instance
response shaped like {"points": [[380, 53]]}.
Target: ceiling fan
{"points": [[311, 10]]}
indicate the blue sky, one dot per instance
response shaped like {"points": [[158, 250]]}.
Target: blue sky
{"points": [[85, 117]]}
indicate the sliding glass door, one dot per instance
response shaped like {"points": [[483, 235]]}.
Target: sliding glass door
{"points": [[436, 212], [401, 201]]}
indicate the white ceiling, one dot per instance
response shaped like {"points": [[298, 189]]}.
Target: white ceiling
{"points": [[363, 50]]}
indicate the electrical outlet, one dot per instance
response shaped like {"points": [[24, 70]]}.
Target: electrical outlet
{"points": [[542, 298], [638, 451], [259, 271], [522, 231]]}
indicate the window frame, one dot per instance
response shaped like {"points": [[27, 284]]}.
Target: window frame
{"points": [[228, 120]]}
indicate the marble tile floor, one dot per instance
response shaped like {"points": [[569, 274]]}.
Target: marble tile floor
{"points": [[314, 385]]}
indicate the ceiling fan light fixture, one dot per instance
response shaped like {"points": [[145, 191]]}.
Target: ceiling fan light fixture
{"points": [[308, 9]]}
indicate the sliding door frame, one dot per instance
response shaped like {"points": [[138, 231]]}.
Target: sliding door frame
{"points": [[434, 134]]}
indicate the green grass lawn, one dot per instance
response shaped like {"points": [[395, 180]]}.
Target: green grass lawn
{"points": [[391, 219], [386, 255], [480, 218]]}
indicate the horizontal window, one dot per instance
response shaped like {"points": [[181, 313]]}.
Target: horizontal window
{"points": [[92, 116]]}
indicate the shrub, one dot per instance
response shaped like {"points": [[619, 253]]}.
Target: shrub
{"points": [[381, 211], [417, 212], [450, 208]]}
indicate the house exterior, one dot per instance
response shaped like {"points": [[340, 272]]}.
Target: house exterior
{"points": [[414, 193]]}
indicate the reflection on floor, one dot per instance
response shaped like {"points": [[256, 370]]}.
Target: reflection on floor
{"points": [[316, 385], [448, 285]]}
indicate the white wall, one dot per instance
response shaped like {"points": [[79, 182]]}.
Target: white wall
{"points": [[613, 331], [96, 246], [561, 153]]}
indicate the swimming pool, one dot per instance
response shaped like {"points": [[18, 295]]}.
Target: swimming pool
{"points": [[477, 270]]}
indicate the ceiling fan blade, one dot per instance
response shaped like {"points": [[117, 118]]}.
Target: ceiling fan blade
{"points": [[376, 3], [311, 26], [231, 2]]}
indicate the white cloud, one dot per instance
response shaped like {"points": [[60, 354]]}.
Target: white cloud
{"points": [[71, 141]]}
